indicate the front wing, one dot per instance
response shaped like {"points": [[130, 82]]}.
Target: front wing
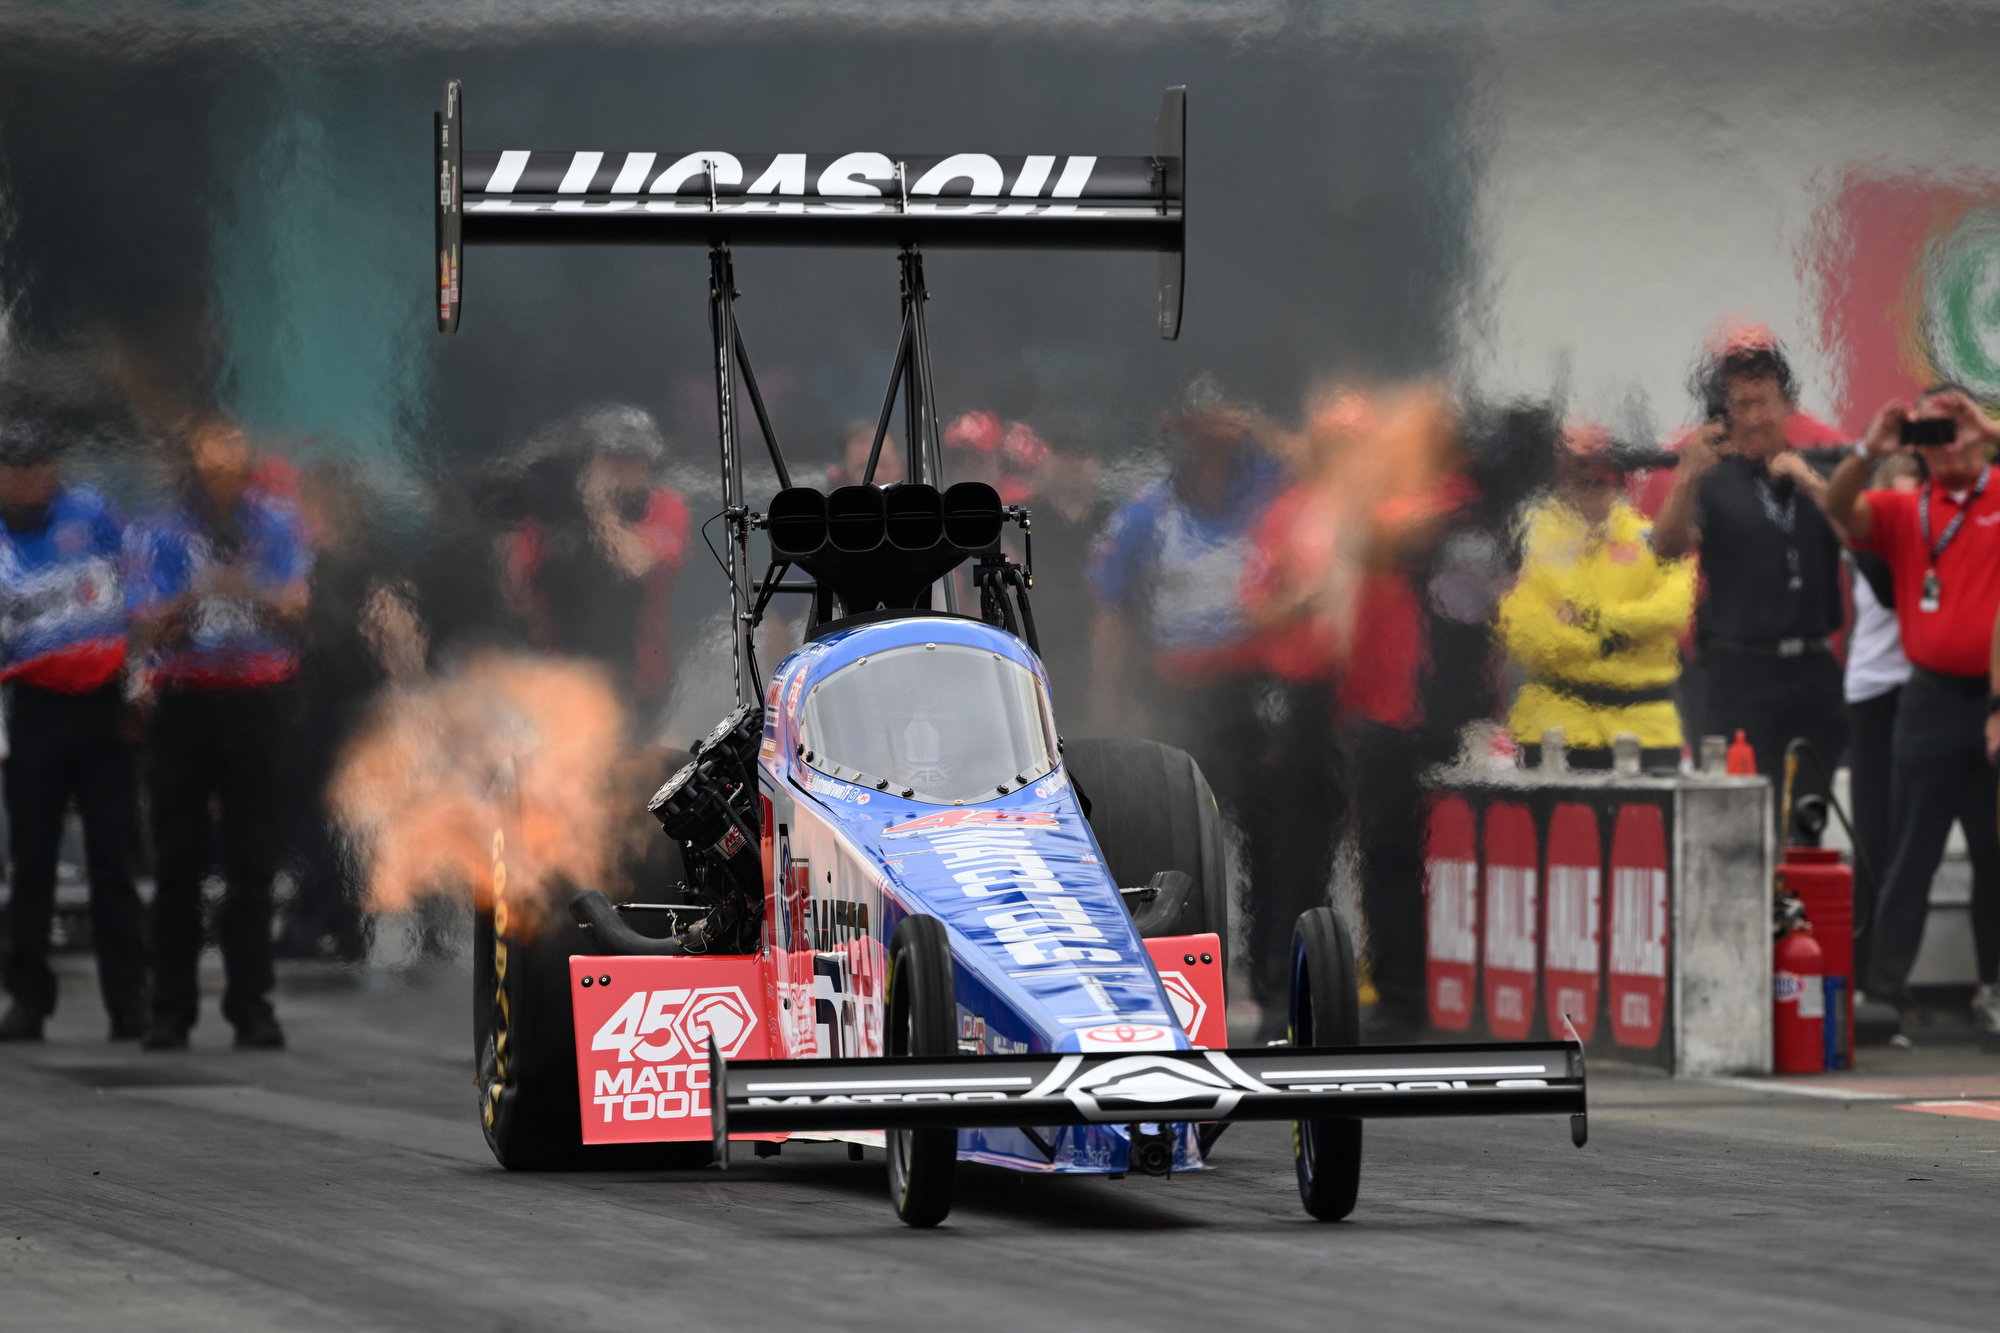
{"points": [[1265, 1083]]}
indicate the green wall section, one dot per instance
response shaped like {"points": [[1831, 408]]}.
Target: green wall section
{"points": [[317, 262]]}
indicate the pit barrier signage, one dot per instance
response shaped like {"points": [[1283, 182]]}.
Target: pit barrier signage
{"points": [[1637, 908], [1451, 909], [1509, 901], [1573, 952]]}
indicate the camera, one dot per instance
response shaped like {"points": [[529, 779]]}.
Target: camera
{"points": [[1929, 430]]}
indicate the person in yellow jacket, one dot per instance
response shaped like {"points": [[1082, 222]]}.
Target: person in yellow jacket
{"points": [[1596, 618]]}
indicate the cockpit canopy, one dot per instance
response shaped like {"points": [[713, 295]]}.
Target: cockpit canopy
{"points": [[945, 723]]}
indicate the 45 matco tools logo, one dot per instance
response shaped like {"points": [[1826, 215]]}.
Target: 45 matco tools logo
{"points": [[665, 1024], [661, 1037]]}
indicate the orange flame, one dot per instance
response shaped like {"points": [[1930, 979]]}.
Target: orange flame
{"points": [[493, 779]]}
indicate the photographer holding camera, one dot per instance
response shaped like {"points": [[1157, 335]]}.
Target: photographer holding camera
{"points": [[1942, 546], [1751, 505]]}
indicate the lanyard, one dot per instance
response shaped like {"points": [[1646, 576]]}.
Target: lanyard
{"points": [[1785, 518], [1782, 515], [1951, 528]]}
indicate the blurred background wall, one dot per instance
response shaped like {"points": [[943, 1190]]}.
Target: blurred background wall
{"points": [[1526, 199], [1645, 169]]}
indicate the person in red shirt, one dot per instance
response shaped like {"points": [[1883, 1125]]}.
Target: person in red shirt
{"points": [[595, 547], [1329, 589], [1942, 546]]}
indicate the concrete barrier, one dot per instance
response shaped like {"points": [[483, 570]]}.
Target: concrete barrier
{"points": [[1639, 906]]}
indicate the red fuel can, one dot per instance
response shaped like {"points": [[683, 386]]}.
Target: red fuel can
{"points": [[1798, 995], [1825, 886]]}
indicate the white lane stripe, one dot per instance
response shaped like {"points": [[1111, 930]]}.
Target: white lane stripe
{"points": [[633, 174], [581, 168], [1467, 1071], [891, 1083], [1034, 175], [1807, 1090], [508, 174], [1075, 175]]}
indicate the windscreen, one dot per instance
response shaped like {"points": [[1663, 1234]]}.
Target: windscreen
{"points": [[937, 722]]}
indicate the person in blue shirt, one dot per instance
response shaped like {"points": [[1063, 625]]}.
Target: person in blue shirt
{"points": [[1175, 656], [218, 591], [62, 657], [1168, 569]]}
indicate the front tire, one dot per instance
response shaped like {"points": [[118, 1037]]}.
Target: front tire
{"points": [[921, 1022], [1326, 1011]]}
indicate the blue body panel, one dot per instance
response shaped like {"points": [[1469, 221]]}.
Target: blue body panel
{"points": [[1043, 947]]}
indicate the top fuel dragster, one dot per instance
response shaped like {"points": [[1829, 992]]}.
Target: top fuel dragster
{"points": [[915, 915]]}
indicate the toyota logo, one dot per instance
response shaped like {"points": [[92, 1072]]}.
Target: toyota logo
{"points": [[1126, 1037]]}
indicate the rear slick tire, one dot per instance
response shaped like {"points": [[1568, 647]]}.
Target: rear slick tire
{"points": [[524, 1042], [922, 1022], [1152, 810], [524, 1053], [1326, 1011]]}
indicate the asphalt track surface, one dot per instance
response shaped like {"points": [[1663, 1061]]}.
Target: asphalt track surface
{"points": [[343, 1184]]}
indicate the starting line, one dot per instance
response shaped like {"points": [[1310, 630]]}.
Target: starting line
{"points": [[1968, 1109]]}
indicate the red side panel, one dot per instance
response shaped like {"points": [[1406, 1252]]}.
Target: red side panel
{"points": [[1572, 939], [1639, 943], [642, 1030], [1191, 968], [1510, 915], [1451, 897]]}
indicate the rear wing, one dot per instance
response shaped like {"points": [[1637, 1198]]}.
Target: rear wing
{"points": [[712, 197], [1263, 1083]]}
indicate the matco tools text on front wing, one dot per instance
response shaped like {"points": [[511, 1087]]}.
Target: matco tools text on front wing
{"points": [[1270, 1083]]}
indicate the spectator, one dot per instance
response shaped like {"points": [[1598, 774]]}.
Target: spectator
{"points": [[360, 630], [1876, 672], [62, 654], [1818, 442], [972, 444], [219, 588], [853, 464], [1170, 637], [1942, 545], [1057, 482], [591, 561], [1169, 567], [1596, 618], [1770, 561], [1330, 588]]}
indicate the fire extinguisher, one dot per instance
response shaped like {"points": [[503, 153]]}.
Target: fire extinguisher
{"points": [[1824, 886], [1798, 996]]}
